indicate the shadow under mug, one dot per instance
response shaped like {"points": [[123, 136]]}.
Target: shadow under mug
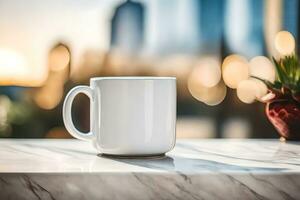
{"points": [[130, 116]]}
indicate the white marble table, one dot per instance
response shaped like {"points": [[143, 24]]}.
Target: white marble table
{"points": [[195, 169]]}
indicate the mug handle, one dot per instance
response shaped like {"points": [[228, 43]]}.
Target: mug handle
{"points": [[67, 117]]}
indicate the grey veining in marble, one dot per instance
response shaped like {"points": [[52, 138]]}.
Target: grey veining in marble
{"points": [[195, 169]]}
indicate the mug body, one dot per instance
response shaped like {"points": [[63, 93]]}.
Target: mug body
{"points": [[133, 115]]}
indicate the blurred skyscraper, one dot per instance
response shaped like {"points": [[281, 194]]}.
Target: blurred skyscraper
{"points": [[211, 26], [290, 16], [244, 27], [173, 26], [127, 28]]}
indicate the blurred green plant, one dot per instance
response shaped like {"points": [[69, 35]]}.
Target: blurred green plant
{"points": [[287, 81], [13, 113]]}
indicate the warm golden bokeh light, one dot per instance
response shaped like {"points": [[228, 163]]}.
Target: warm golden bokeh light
{"points": [[250, 90], [208, 95], [59, 58], [285, 43], [208, 71], [12, 60], [48, 97], [50, 94], [262, 88], [247, 91], [263, 68], [233, 57], [13, 66], [234, 70], [216, 94], [15, 70]]}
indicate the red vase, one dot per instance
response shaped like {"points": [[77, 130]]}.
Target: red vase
{"points": [[284, 114]]}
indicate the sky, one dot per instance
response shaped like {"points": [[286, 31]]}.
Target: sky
{"points": [[30, 28]]}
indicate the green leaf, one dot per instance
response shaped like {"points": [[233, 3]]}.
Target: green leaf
{"points": [[271, 86], [281, 72], [290, 65]]}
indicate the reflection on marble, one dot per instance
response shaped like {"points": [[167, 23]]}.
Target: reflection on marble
{"points": [[195, 169]]}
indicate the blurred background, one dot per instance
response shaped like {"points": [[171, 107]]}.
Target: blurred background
{"points": [[48, 47]]}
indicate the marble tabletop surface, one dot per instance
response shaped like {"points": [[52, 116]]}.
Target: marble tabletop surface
{"points": [[194, 169]]}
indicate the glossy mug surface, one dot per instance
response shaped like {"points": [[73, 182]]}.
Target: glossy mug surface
{"points": [[132, 116]]}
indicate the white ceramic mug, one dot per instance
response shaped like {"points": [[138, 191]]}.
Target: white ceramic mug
{"points": [[132, 116]]}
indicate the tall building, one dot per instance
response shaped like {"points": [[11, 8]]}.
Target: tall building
{"points": [[173, 26], [211, 26], [244, 27], [127, 28]]}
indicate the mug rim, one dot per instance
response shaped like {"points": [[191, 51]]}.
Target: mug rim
{"points": [[133, 78]]}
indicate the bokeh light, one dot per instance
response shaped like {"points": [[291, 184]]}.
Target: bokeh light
{"points": [[263, 68], [216, 94], [49, 97], [247, 91], [233, 57], [208, 95], [13, 67], [285, 43], [234, 70], [59, 58], [208, 72], [262, 88], [50, 94], [250, 90]]}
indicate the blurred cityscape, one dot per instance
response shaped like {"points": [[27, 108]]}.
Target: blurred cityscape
{"points": [[48, 47]]}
